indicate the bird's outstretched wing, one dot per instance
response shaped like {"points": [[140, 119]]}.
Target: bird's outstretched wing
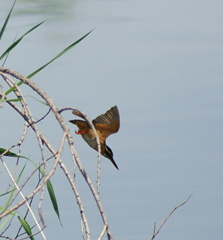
{"points": [[108, 123]]}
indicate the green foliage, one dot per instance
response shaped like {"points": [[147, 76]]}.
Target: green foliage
{"points": [[14, 188], [53, 198], [6, 21], [26, 227], [10, 193], [13, 45], [52, 195], [4, 152], [59, 55]]}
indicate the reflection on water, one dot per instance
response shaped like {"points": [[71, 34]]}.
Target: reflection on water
{"points": [[56, 8]]}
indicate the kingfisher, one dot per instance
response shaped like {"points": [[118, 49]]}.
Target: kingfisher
{"points": [[105, 125]]}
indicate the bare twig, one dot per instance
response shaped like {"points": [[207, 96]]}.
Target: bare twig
{"points": [[25, 113], [2, 96], [79, 113], [155, 232], [23, 197]]}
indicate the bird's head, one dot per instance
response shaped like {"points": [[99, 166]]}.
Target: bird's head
{"points": [[108, 153]]}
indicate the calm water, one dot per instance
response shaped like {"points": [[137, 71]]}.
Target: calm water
{"points": [[161, 63]]}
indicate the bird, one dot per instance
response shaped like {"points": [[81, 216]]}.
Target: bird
{"points": [[105, 125]]}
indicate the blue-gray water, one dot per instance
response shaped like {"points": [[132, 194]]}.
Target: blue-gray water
{"points": [[161, 63]]}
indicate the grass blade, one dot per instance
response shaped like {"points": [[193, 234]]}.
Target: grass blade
{"points": [[17, 41], [13, 100], [11, 192], [26, 227], [5, 220], [53, 198], [44, 103], [52, 60], [52, 195], [6, 21], [13, 88], [14, 188], [59, 55], [10, 154]]}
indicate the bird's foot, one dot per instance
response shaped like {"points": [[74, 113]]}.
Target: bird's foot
{"points": [[80, 132]]}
